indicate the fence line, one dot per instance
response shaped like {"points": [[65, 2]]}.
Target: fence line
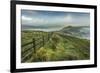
{"points": [[33, 45]]}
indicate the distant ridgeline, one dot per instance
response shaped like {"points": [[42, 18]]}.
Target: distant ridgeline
{"points": [[77, 31]]}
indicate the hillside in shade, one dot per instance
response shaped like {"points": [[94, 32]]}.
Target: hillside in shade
{"points": [[77, 31]]}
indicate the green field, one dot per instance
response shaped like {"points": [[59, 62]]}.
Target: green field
{"points": [[59, 47]]}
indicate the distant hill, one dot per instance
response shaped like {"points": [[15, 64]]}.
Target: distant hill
{"points": [[77, 31]]}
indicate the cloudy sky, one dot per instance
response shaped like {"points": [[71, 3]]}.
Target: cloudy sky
{"points": [[52, 20]]}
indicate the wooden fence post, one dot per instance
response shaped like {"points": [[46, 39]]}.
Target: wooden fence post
{"points": [[34, 45], [43, 40]]}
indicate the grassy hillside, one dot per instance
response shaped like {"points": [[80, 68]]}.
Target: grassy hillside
{"points": [[61, 47], [27, 36]]}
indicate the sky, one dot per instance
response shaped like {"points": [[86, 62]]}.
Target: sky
{"points": [[52, 20]]}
